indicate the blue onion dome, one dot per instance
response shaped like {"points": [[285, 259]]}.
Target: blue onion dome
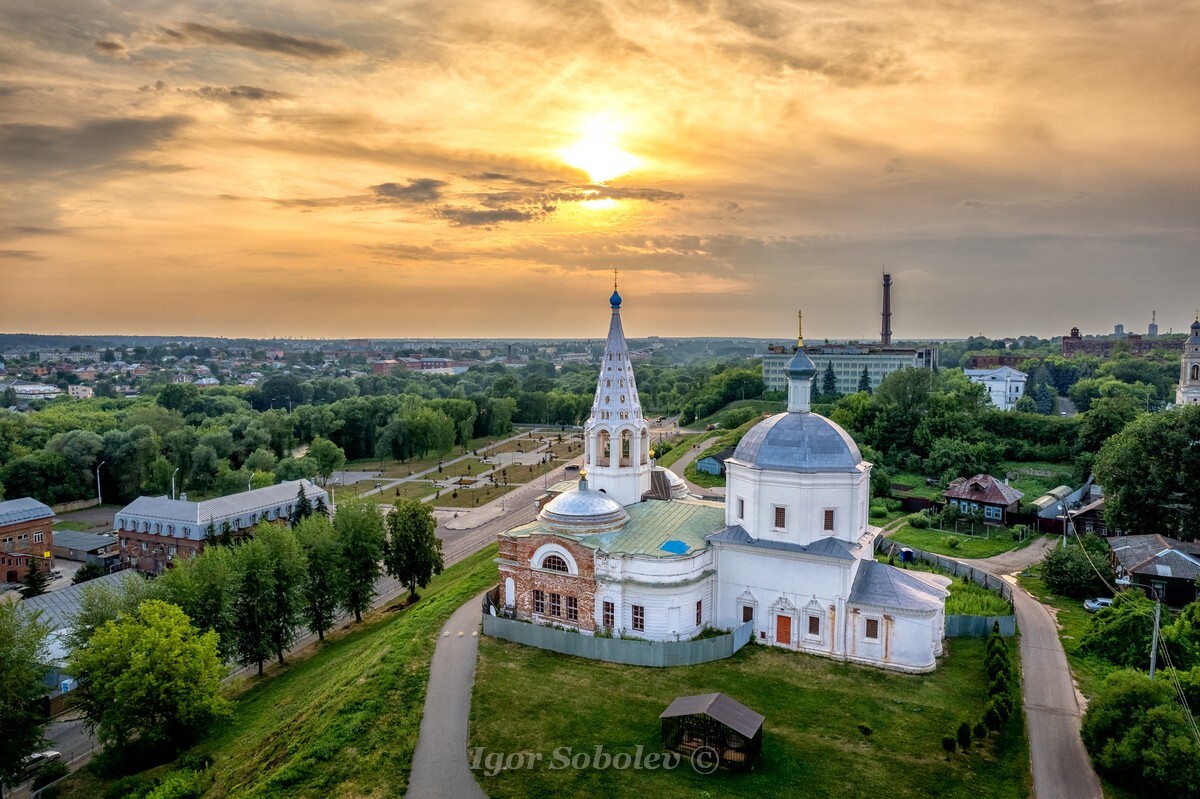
{"points": [[583, 511], [798, 442], [801, 366], [615, 299], [1196, 328]]}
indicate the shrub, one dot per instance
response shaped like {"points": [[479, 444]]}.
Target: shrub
{"points": [[952, 542], [878, 512], [949, 743], [963, 736], [54, 770], [991, 717], [865, 730], [134, 786], [918, 521], [980, 730], [183, 784]]}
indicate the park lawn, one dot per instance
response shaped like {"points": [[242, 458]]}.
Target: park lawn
{"points": [[467, 466], [967, 598], [680, 445], [71, 524], [342, 721], [527, 699], [703, 479], [472, 497], [997, 541], [414, 489], [527, 474], [1073, 622]]}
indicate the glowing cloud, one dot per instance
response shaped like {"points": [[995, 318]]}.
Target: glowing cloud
{"points": [[597, 151]]}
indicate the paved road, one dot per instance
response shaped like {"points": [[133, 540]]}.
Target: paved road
{"points": [[1061, 766], [440, 768], [681, 464]]}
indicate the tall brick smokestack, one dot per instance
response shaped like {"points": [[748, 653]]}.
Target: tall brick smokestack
{"points": [[885, 333]]}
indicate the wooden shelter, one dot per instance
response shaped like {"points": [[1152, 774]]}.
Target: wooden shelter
{"points": [[731, 729]]}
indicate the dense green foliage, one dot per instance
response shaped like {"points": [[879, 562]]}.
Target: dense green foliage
{"points": [[149, 676], [22, 651], [1140, 736], [413, 552], [1080, 569]]}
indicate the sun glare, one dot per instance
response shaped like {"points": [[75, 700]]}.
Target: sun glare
{"points": [[597, 151]]}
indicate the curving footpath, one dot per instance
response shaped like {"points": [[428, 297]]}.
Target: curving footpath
{"points": [[439, 768]]}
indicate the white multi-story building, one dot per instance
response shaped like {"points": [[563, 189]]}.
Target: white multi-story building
{"points": [[628, 551], [1004, 384], [848, 364]]}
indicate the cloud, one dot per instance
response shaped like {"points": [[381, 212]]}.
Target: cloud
{"points": [[100, 145], [112, 47], [228, 94], [263, 41], [500, 177], [474, 217], [418, 190], [21, 255]]}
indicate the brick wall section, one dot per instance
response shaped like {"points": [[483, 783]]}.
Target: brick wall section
{"points": [[157, 552], [15, 552], [527, 579]]}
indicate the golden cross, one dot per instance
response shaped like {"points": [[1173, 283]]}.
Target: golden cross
{"points": [[799, 328], [614, 280]]}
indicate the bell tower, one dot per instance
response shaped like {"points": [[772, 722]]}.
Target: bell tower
{"points": [[617, 450], [1188, 392]]}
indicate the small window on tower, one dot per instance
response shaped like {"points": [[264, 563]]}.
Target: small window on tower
{"points": [[829, 519], [814, 625], [873, 628], [780, 517]]}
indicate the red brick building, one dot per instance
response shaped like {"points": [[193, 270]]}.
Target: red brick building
{"points": [[26, 532], [548, 578]]}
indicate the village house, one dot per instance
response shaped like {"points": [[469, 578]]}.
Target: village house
{"points": [[26, 532], [984, 493]]}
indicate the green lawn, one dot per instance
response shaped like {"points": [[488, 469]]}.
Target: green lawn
{"points": [[759, 406], [969, 546], [472, 497], [681, 446], [1034, 485], [530, 700], [704, 479], [70, 524], [916, 486], [967, 598], [342, 722]]}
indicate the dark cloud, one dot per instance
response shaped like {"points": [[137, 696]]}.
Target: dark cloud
{"points": [[418, 190], [21, 255], [500, 177], [33, 230], [112, 47], [103, 145], [475, 217], [230, 94], [263, 41], [412, 252]]}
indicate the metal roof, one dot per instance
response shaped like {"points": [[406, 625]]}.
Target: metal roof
{"points": [[798, 442], [983, 488], [221, 508], [886, 586], [60, 607], [828, 547], [24, 509], [85, 541], [719, 707], [654, 523]]}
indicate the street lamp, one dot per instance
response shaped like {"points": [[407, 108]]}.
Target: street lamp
{"points": [[173, 482], [99, 499]]}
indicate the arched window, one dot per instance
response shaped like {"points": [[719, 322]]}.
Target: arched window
{"points": [[554, 563], [1196, 371]]}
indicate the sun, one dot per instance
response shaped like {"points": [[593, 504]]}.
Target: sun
{"points": [[597, 151]]}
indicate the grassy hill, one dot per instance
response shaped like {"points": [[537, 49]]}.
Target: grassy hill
{"points": [[342, 722]]}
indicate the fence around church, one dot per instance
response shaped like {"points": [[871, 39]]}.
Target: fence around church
{"points": [[958, 626], [629, 652]]}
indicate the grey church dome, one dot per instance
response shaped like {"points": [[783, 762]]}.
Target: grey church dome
{"points": [[584, 511], [798, 442]]}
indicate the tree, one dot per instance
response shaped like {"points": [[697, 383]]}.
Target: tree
{"points": [[1139, 737], [413, 552], [829, 381], [100, 603], [324, 587], [1026, 404], [252, 603], [36, 581], [261, 460], [205, 465], [150, 676], [360, 532], [23, 654], [89, 571], [864, 381], [178, 397], [1122, 634], [296, 469], [289, 572], [1070, 571], [302, 508], [205, 586], [1149, 471], [328, 456]]}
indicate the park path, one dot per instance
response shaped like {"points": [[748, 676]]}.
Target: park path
{"points": [[439, 769], [680, 465]]}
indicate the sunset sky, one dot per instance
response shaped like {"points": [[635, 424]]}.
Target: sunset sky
{"points": [[337, 168]]}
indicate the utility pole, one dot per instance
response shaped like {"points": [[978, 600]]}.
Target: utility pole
{"points": [[1154, 643], [99, 499]]}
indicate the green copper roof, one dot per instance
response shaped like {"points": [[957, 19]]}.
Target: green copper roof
{"points": [[651, 524]]}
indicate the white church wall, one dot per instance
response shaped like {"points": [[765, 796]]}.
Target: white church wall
{"points": [[668, 612], [909, 641], [804, 498], [772, 577]]}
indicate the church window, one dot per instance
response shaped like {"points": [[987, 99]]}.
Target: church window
{"points": [[814, 625], [1196, 371], [572, 609], [554, 563], [607, 383], [608, 617], [872, 628], [741, 508], [747, 613], [555, 605], [621, 382], [606, 398], [539, 601], [829, 519], [622, 398], [639, 618], [699, 612], [780, 517]]}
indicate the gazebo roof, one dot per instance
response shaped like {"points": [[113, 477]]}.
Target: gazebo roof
{"points": [[720, 707]]}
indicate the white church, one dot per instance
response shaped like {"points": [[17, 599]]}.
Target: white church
{"points": [[629, 551]]}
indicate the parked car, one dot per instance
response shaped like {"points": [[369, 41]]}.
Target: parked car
{"points": [[37, 760], [1093, 605]]}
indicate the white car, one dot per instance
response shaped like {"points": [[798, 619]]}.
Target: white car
{"points": [[1093, 605]]}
